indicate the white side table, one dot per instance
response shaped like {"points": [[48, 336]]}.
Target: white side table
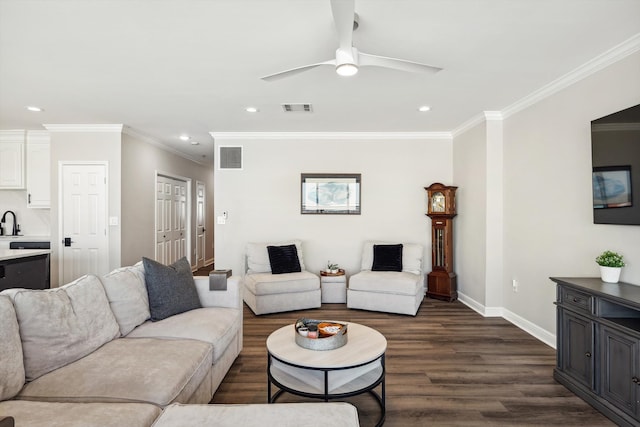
{"points": [[334, 287]]}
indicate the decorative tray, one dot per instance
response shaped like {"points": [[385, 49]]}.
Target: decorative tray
{"points": [[315, 334]]}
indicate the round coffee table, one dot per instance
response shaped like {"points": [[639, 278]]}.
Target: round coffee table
{"points": [[353, 369]]}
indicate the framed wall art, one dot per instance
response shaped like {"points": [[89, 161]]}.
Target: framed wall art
{"points": [[330, 193]]}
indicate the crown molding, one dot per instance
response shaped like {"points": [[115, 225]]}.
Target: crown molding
{"points": [[613, 55], [469, 124], [38, 136], [84, 127], [332, 135], [152, 141], [493, 115], [16, 135]]}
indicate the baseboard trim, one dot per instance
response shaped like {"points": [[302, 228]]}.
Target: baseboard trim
{"points": [[519, 321], [480, 308]]}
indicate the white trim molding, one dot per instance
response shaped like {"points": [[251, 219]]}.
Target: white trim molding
{"points": [[613, 55], [532, 329], [84, 127], [331, 135], [12, 135]]}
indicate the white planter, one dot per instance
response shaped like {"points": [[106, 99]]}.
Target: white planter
{"points": [[610, 274]]}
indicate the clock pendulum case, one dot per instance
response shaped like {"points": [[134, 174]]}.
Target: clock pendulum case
{"points": [[441, 208]]}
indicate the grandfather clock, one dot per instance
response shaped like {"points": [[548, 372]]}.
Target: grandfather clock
{"points": [[441, 208]]}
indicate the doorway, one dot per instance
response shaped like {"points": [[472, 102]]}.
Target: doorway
{"points": [[84, 245], [173, 218]]}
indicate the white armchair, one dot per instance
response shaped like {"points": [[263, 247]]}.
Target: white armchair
{"points": [[266, 292], [399, 292]]}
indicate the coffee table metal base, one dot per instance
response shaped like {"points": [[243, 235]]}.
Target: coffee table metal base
{"points": [[327, 383]]}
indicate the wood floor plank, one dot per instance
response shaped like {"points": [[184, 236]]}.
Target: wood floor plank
{"points": [[448, 366]]}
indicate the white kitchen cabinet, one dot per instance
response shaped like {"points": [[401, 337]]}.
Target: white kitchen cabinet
{"points": [[38, 170], [11, 160]]}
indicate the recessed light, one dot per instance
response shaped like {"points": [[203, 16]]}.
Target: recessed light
{"points": [[34, 109], [195, 143], [185, 137], [251, 110], [424, 108]]}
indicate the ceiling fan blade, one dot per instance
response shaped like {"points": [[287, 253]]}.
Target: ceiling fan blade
{"points": [[366, 59], [343, 13], [294, 71]]}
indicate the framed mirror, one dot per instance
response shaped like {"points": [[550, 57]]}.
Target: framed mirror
{"points": [[330, 193]]}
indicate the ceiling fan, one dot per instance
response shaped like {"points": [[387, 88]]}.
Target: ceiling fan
{"points": [[348, 59]]}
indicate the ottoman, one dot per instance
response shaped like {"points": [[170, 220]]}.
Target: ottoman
{"points": [[319, 414]]}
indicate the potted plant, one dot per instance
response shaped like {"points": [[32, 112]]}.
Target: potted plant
{"points": [[611, 264], [332, 267]]}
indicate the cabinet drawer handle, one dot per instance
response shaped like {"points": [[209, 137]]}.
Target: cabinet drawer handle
{"points": [[576, 299], [588, 354], [635, 380]]}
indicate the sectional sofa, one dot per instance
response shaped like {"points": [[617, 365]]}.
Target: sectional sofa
{"points": [[86, 354]]}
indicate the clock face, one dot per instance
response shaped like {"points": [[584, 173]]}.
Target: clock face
{"points": [[437, 202]]}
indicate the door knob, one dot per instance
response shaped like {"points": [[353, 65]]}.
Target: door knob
{"points": [[67, 241]]}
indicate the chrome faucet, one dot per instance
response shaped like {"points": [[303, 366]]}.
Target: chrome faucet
{"points": [[16, 227]]}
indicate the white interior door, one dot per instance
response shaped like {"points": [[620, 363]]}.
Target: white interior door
{"points": [[171, 219], [200, 222], [180, 219], [164, 213], [83, 217]]}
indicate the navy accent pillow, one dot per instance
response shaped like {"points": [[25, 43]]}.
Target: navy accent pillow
{"points": [[284, 259], [387, 258], [171, 288]]}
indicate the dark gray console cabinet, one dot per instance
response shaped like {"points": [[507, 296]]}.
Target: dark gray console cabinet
{"points": [[598, 345]]}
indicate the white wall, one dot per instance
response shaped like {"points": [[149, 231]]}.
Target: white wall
{"points": [[547, 212], [263, 199], [469, 174], [78, 146], [549, 228]]}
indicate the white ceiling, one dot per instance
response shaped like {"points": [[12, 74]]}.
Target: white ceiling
{"points": [[167, 67]]}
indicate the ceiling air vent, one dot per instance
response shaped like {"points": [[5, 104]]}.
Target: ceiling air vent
{"points": [[297, 108], [230, 157]]}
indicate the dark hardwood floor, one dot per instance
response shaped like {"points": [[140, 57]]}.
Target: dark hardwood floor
{"points": [[204, 271], [448, 366]]}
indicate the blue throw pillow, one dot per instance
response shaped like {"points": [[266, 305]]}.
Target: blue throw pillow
{"points": [[171, 288], [387, 258], [284, 259]]}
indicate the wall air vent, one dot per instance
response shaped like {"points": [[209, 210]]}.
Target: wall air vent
{"points": [[230, 157], [297, 108]]}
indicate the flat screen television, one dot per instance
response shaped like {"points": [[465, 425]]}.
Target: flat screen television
{"points": [[615, 154]]}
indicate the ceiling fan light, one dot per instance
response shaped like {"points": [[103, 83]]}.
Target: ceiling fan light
{"points": [[346, 70]]}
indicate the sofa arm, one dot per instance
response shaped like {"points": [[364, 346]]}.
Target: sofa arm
{"points": [[232, 297]]}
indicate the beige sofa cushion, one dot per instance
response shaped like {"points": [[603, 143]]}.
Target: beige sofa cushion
{"points": [[11, 364], [318, 414], [258, 256], [267, 283], [127, 294], [217, 326], [50, 414], [411, 256], [147, 370], [60, 326], [390, 282]]}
